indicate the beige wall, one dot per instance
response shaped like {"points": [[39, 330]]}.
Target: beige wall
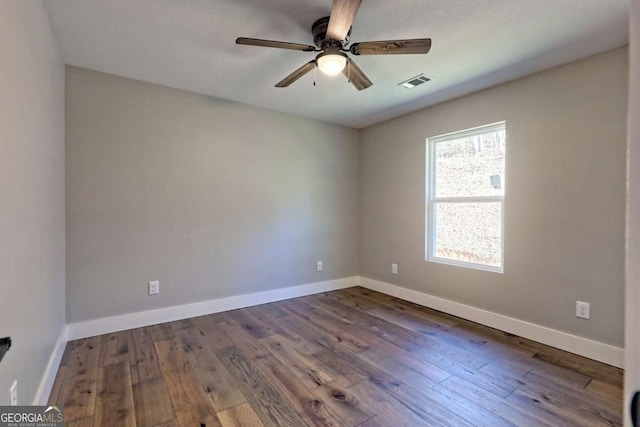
{"points": [[32, 224], [565, 198], [213, 198], [632, 356]]}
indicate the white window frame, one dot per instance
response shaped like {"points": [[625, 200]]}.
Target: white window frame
{"points": [[431, 200]]}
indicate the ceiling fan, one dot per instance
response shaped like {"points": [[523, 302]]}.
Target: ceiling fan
{"points": [[331, 36]]}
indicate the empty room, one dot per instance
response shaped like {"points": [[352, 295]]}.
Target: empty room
{"points": [[319, 213]]}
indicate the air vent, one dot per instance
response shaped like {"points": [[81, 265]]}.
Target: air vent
{"points": [[415, 81]]}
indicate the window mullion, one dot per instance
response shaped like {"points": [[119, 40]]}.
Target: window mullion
{"points": [[476, 199]]}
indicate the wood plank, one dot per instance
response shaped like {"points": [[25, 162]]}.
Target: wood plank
{"points": [[375, 421], [339, 368], [430, 411], [521, 345], [607, 391], [153, 405], [250, 347], [64, 371], [494, 385], [428, 369], [240, 416], [78, 390], [85, 357], [506, 366], [267, 321], [83, 422], [581, 365], [67, 355], [389, 409], [310, 372], [572, 399], [211, 373], [312, 410], [354, 301], [224, 316], [162, 332], [114, 401], [548, 412], [333, 328], [261, 395], [553, 372], [215, 336], [356, 363], [251, 324], [61, 376], [114, 348], [343, 403], [297, 342], [457, 340], [429, 399], [143, 360], [273, 309], [501, 407], [181, 324], [78, 396], [301, 327], [191, 404], [406, 339], [407, 307]]}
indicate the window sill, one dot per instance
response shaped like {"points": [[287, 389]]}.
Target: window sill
{"points": [[464, 264]]}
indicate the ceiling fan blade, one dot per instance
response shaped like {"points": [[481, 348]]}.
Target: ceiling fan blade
{"points": [[391, 47], [355, 75], [271, 43], [297, 74], [343, 12]]}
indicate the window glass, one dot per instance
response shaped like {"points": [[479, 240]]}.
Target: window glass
{"points": [[471, 166], [469, 232], [465, 197]]}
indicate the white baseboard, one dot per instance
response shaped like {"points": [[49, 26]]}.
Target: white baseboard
{"points": [[152, 317], [44, 389], [572, 343], [588, 348]]}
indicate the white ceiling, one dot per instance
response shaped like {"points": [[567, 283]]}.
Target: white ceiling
{"points": [[190, 44]]}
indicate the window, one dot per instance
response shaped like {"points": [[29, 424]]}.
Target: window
{"points": [[465, 197]]}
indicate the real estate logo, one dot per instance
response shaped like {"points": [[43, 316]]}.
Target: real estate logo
{"points": [[31, 416]]}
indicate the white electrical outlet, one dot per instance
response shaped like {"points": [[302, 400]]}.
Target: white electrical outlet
{"points": [[13, 394], [319, 266], [154, 287], [394, 268], [583, 310]]}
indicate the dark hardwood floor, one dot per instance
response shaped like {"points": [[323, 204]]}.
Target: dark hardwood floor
{"points": [[346, 358]]}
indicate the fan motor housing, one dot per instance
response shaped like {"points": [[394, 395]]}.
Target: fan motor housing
{"points": [[319, 31]]}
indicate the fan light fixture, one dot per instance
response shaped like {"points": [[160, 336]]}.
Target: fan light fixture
{"points": [[332, 62]]}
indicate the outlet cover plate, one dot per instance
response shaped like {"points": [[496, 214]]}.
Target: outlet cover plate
{"points": [[154, 287], [13, 394], [319, 266], [583, 310]]}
